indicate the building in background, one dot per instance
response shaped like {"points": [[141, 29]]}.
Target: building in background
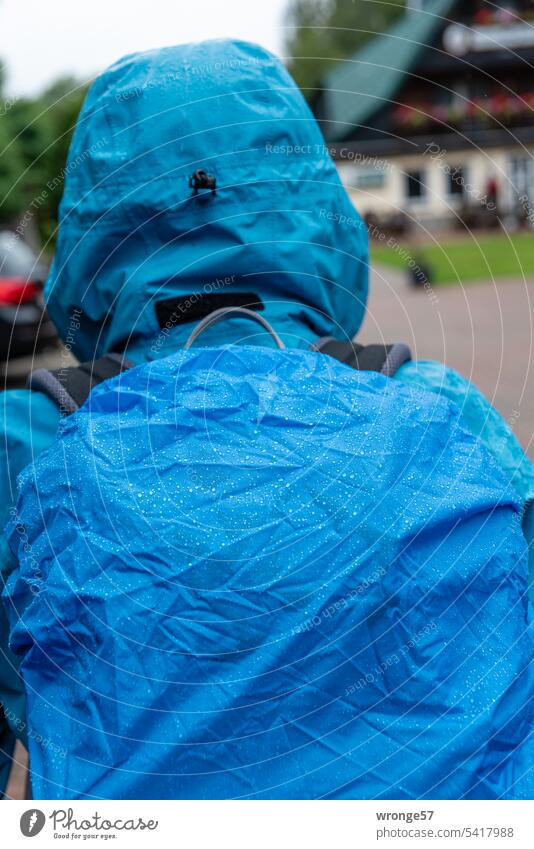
{"points": [[433, 121]]}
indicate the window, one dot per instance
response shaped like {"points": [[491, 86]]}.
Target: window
{"points": [[456, 181], [363, 177], [369, 178], [415, 188], [521, 169]]}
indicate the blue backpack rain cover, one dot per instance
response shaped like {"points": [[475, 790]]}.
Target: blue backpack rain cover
{"points": [[253, 573]]}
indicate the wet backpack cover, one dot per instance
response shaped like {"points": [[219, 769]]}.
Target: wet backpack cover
{"points": [[247, 572]]}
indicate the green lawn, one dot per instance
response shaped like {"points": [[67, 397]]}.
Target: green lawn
{"points": [[459, 260]]}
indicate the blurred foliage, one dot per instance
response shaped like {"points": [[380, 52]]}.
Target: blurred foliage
{"points": [[35, 134], [323, 31]]}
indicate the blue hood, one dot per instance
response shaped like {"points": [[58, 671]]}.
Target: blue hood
{"points": [[132, 233]]}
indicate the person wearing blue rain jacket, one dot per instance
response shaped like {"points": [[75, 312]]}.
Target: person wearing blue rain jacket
{"points": [[197, 174]]}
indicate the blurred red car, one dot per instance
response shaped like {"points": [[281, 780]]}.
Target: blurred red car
{"points": [[25, 327]]}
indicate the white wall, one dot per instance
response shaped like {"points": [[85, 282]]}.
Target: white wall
{"points": [[479, 166]]}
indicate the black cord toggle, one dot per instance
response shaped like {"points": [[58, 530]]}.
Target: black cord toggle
{"points": [[201, 180]]}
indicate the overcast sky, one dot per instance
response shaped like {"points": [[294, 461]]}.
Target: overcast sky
{"points": [[43, 39]]}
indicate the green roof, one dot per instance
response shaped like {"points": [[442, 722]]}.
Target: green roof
{"points": [[362, 84]]}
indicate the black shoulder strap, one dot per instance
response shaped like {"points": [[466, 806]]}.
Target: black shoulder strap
{"points": [[69, 387], [385, 359]]}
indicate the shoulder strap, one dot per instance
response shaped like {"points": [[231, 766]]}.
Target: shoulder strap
{"points": [[385, 359], [70, 387]]}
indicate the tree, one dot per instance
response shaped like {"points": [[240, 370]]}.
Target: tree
{"points": [[32, 131], [10, 167], [323, 31], [35, 135], [10, 162], [63, 101]]}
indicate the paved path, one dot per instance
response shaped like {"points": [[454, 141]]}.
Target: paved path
{"points": [[484, 330]]}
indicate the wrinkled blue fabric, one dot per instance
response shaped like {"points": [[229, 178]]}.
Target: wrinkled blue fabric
{"points": [[484, 421], [28, 424], [478, 416], [279, 579], [130, 234]]}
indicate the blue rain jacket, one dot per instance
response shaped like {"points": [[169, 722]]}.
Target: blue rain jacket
{"points": [[131, 234]]}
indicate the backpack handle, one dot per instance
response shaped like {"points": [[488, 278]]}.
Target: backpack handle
{"points": [[217, 315]]}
